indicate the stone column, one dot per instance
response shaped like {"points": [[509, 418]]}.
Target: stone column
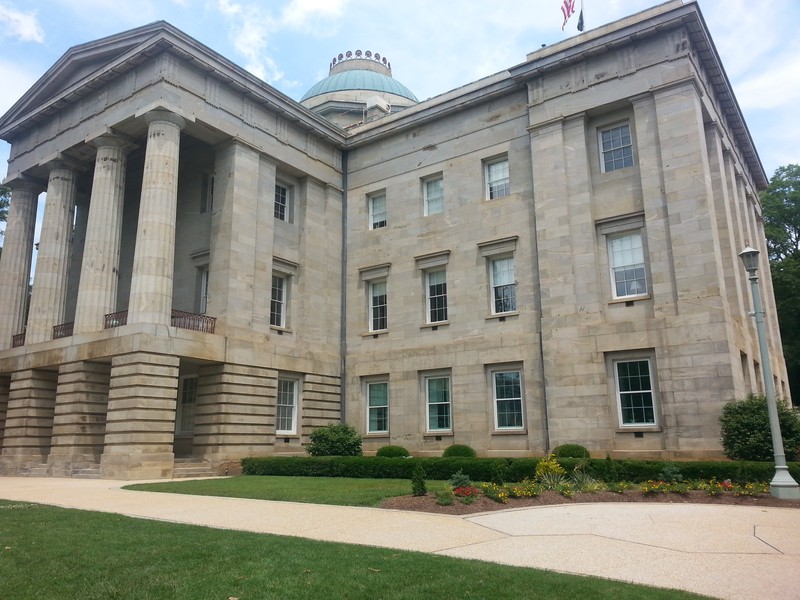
{"points": [[154, 256], [79, 418], [140, 422], [48, 298], [15, 265], [97, 294]]}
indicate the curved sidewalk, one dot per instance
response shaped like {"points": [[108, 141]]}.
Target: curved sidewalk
{"points": [[731, 552]]}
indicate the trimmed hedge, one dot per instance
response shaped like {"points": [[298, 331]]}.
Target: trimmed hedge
{"points": [[513, 469]]}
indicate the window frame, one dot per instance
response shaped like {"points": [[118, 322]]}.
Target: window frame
{"points": [[182, 413], [286, 271], [427, 198], [629, 358], [295, 404], [279, 302], [614, 229], [613, 268], [520, 399], [283, 211], [373, 307], [371, 200], [368, 385], [604, 164], [430, 298], [494, 286], [427, 379], [207, 192], [493, 186]]}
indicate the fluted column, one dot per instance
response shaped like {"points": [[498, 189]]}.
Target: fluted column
{"points": [[15, 265], [97, 292], [153, 259], [52, 263]]}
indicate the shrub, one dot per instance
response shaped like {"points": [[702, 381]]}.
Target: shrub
{"points": [[336, 439], [459, 451], [670, 473], [459, 479], [549, 466], [570, 451], [418, 487], [392, 452], [746, 433]]}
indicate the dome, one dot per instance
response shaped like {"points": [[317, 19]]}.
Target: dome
{"points": [[359, 80]]}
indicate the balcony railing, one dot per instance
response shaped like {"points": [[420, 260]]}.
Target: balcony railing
{"points": [[179, 318], [18, 340], [63, 330]]}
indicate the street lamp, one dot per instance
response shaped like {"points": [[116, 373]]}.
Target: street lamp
{"points": [[782, 485]]}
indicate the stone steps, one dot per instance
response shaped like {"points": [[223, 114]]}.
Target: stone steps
{"points": [[191, 467]]}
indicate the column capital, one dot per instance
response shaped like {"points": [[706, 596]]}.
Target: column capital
{"points": [[26, 185], [64, 163], [165, 116], [112, 140]]}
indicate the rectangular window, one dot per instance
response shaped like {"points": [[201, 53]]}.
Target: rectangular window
{"points": [[437, 296], [504, 286], [378, 316], [184, 420], [616, 148], [438, 400], [286, 408], [281, 202], [378, 407], [507, 388], [207, 198], [634, 392], [202, 290], [433, 193], [277, 304], [626, 259], [497, 181], [377, 211]]}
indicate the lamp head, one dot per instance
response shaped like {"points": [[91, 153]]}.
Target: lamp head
{"points": [[749, 257]]}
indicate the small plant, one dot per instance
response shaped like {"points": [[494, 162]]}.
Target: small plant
{"points": [[336, 439], [551, 480], [527, 488], [392, 452], [670, 473], [750, 489], [651, 487], [547, 466], [495, 492], [444, 497], [418, 486], [583, 482], [566, 489], [619, 487], [499, 473], [459, 479], [466, 494], [459, 451], [570, 451]]}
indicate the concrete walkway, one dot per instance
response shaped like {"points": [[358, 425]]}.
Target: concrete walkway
{"points": [[731, 552]]}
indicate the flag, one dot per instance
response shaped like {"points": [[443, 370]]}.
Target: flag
{"points": [[567, 9], [580, 20]]}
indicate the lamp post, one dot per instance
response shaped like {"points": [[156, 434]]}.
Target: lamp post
{"points": [[782, 484]]}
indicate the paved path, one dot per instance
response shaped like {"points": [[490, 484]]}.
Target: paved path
{"points": [[731, 552]]}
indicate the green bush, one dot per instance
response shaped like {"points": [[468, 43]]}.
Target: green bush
{"points": [[392, 452], [746, 433], [418, 486], [459, 451], [336, 439], [570, 451]]}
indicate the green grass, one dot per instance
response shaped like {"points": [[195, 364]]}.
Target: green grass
{"points": [[316, 490], [49, 553]]}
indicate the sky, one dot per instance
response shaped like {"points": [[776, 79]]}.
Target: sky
{"points": [[433, 45]]}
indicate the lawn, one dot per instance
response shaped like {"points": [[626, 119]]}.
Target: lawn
{"points": [[50, 553], [317, 490]]}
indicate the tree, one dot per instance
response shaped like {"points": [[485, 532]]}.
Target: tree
{"points": [[5, 200], [780, 204]]}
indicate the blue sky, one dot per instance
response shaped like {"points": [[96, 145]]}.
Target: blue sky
{"points": [[433, 45]]}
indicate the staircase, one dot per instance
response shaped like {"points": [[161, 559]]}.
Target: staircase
{"points": [[192, 467]]}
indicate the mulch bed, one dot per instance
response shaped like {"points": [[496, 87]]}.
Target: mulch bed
{"points": [[482, 504]]}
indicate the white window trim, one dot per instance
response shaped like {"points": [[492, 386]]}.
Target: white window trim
{"points": [[426, 394], [287, 270], [373, 224], [627, 357], [610, 229], [492, 286], [372, 306], [426, 199], [604, 128], [202, 299], [492, 374], [288, 216], [367, 385], [295, 404], [487, 183], [281, 302], [428, 298]]}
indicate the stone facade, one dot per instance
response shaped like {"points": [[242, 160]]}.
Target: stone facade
{"points": [[547, 255]]}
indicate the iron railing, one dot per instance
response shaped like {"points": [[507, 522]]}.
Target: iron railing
{"points": [[63, 330], [115, 319], [178, 318], [18, 340]]}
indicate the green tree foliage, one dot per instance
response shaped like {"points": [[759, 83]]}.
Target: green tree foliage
{"points": [[780, 204], [5, 200], [335, 440], [746, 434]]}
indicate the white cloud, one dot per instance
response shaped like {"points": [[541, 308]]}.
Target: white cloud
{"points": [[22, 26], [16, 81], [302, 14]]}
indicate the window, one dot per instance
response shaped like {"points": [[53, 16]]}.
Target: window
{"points": [[616, 149], [202, 289], [634, 392], [497, 182], [377, 211], [433, 194], [504, 286], [187, 394], [626, 259], [378, 320], [436, 284], [277, 304], [207, 193], [286, 408], [507, 391], [378, 407], [437, 393], [282, 200]]}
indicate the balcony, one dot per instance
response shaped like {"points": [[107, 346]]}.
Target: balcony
{"points": [[18, 340], [179, 319], [63, 330]]}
